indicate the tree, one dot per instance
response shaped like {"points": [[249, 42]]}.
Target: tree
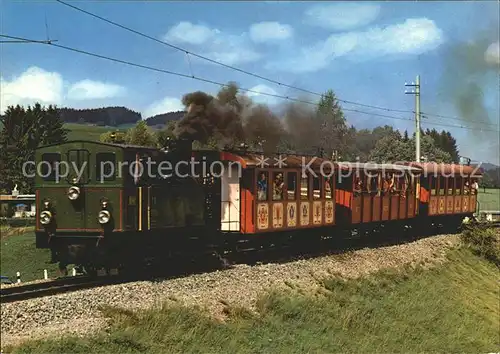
{"points": [[119, 137], [141, 135], [51, 125], [390, 149], [23, 131], [332, 125], [394, 148], [163, 135], [446, 142]]}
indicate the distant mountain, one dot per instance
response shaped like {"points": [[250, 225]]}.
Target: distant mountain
{"points": [[110, 116], [486, 166], [160, 120]]}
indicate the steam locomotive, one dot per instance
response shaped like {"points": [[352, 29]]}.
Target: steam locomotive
{"points": [[103, 205]]}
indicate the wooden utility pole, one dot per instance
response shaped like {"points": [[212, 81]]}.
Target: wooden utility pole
{"points": [[416, 92]]}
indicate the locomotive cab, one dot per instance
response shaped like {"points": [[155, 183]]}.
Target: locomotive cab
{"points": [[93, 195]]}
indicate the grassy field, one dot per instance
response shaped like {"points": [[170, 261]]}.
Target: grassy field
{"points": [[489, 200], [86, 132], [452, 308], [18, 254]]}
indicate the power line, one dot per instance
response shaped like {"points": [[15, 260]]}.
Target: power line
{"points": [[456, 118], [187, 52], [217, 83], [27, 41], [225, 65]]}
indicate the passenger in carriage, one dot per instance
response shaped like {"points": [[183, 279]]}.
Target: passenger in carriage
{"points": [[389, 183], [278, 187], [466, 188], [328, 188], [404, 185], [475, 187], [358, 185], [262, 187]]}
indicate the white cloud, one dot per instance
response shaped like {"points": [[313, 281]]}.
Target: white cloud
{"points": [[492, 54], [190, 33], [38, 85], [414, 36], [88, 89], [270, 31], [230, 49], [168, 104], [342, 16], [33, 85], [259, 94]]}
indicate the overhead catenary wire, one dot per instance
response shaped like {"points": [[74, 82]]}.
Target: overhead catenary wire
{"points": [[187, 52], [427, 115], [169, 72], [202, 57]]}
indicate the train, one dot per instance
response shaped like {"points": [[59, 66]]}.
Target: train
{"points": [[111, 205]]}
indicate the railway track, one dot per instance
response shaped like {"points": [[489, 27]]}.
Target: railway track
{"points": [[58, 286], [274, 253]]}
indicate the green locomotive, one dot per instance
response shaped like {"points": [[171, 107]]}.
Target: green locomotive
{"points": [[97, 202]]}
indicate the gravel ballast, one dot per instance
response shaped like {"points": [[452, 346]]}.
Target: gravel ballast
{"points": [[78, 312]]}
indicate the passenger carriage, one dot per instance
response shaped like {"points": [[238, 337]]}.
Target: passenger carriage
{"points": [[297, 194], [446, 189], [376, 193]]}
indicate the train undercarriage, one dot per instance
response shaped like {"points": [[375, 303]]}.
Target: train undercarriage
{"points": [[134, 251]]}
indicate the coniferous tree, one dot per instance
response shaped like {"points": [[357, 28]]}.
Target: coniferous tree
{"points": [[23, 131], [332, 124], [141, 135]]}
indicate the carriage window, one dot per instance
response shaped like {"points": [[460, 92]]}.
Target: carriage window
{"points": [[433, 185], [405, 183], [291, 185], [466, 186], [442, 185], [345, 183], [262, 183], [316, 188], [328, 187], [411, 182], [451, 185], [388, 183], [105, 166], [50, 163], [474, 186], [304, 188], [397, 183], [278, 184], [372, 182], [358, 184], [79, 165], [458, 185]]}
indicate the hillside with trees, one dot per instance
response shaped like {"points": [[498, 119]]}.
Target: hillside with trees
{"points": [[225, 120], [160, 120], [110, 116]]}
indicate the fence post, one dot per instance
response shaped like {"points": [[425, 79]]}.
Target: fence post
{"points": [[18, 276], [45, 274]]}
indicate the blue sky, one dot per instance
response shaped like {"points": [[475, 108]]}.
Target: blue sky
{"points": [[364, 51]]}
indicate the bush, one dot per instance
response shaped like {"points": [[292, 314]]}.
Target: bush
{"points": [[17, 222], [484, 242]]}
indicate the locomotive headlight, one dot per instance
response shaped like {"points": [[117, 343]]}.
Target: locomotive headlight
{"points": [[45, 217], [73, 193], [104, 216]]}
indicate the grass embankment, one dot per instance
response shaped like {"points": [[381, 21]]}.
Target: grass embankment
{"points": [[451, 307], [19, 254]]}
